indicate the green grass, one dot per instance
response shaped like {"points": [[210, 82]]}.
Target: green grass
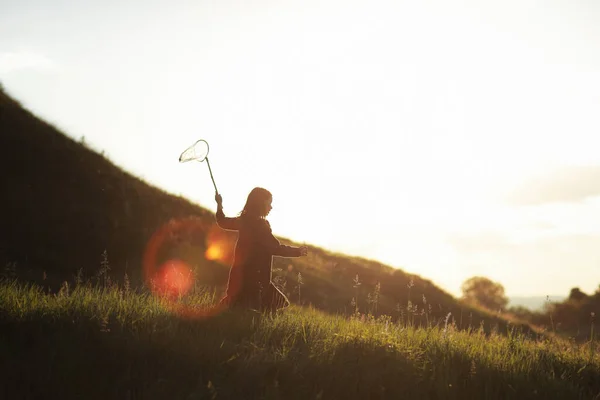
{"points": [[93, 342]]}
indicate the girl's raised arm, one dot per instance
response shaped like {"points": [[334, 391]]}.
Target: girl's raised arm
{"points": [[230, 224]]}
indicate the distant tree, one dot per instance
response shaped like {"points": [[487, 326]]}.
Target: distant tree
{"points": [[523, 313], [484, 292], [577, 295]]}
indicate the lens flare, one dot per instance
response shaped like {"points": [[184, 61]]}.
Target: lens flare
{"points": [[219, 245], [167, 263], [214, 252], [175, 279]]}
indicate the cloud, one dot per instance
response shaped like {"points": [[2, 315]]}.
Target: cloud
{"points": [[487, 242], [15, 61], [565, 185], [549, 264], [543, 226], [497, 244]]}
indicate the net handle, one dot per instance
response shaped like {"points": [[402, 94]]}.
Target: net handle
{"points": [[211, 174]]}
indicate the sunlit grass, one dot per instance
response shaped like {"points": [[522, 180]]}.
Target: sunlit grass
{"points": [[108, 342]]}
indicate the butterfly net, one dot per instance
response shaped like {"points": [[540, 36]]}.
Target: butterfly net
{"points": [[196, 152]]}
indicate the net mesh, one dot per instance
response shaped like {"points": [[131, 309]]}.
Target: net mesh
{"points": [[196, 152]]}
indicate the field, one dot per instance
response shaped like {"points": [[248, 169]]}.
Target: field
{"points": [[104, 341]]}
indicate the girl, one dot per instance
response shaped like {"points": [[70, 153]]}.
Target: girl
{"points": [[250, 282]]}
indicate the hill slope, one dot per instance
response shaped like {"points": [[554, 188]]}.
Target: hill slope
{"points": [[64, 205]]}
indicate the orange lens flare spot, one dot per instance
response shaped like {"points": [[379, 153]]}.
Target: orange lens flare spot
{"points": [[214, 252], [174, 278]]}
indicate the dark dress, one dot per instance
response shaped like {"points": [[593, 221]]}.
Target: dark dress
{"points": [[250, 284]]}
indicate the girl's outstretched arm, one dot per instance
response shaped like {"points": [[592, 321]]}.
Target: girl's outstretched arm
{"points": [[267, 239], [230, 224], [289, 251]]}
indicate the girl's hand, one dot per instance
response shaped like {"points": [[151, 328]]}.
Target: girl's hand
{"points": [[219, 199], [303, 250]]}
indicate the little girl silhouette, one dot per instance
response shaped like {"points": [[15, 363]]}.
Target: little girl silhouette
{"points": [[250, 282]]}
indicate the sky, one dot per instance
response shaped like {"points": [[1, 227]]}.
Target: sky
{"points": [[448, 138]]}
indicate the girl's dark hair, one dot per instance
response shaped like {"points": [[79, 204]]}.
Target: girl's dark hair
{"points": [[255, 204]]}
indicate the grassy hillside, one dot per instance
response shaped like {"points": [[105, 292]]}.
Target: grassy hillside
{"points": [[63, 204], [67, 211], [107, 342]]}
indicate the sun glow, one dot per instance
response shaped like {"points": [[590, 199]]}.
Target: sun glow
{"points": [[381, 128]]}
